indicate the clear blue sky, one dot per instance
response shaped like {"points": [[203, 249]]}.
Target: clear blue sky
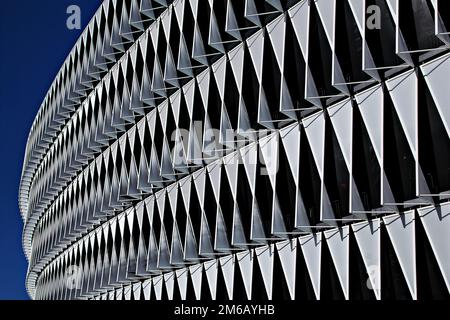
{"points": [[34, 42]]}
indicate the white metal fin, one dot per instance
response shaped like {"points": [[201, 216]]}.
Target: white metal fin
{"points": [[245, 261], [311, 246], [367, 236], [401, 230], [339, 245], [265, 256], [436, 74], [287, 251], [436, 221]]}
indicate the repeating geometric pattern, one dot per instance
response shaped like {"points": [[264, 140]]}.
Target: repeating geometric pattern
{"points": [[257, 149]]}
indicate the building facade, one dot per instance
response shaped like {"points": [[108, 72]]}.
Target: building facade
{"points": [[257, 149]]}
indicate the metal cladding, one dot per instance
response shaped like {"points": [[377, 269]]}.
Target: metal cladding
{"points": [[225, 149]]}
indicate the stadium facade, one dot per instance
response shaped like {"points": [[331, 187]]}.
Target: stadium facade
{"points": [[257, 149]]}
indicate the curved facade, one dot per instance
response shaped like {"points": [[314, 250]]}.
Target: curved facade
{"points": [[263, 149]]}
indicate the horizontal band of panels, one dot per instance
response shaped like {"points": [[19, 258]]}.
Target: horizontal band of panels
{"points": [[359, 261]]}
